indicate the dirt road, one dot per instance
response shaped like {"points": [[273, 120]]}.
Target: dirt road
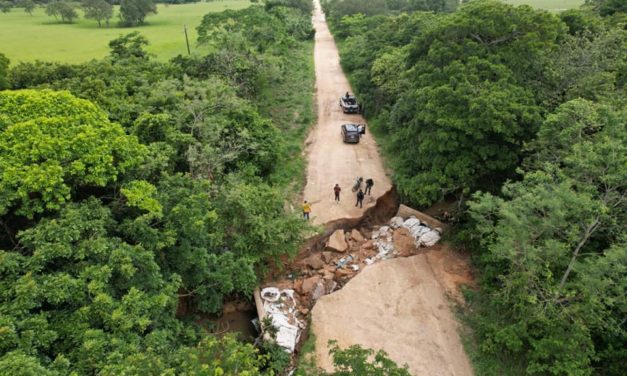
{"points": [[331, 161], [397, 305]]}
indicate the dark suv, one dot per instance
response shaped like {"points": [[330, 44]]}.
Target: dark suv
{"points": [[351, 133]]}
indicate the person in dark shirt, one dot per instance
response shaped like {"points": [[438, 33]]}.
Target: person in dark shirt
{"points": [[360, 198], [369, 184], [337, 191]]}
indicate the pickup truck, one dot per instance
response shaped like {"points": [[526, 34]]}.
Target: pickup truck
{"points": [[349, 104]]}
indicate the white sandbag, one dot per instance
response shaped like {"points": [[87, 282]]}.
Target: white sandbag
{"points": [[396, 222], [383, 232], [417, 231], [430, 238], [411, 222]]}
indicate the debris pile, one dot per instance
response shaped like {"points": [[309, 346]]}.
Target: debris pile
{"points": [[288, 301], [281, 307], [425, 236]]}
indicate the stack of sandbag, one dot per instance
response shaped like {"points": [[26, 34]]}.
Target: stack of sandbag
{"points": [[425, 236]]}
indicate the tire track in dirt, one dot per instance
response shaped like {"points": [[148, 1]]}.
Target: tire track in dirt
{"points": [[330, 160]]}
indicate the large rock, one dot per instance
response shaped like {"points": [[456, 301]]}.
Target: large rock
{"points": [[368, 245], [357, 236], [337, 242], [298, 286], [314, 261], [327, 257], [404, 243], [330, 286], [318, 291], [310, 284]]}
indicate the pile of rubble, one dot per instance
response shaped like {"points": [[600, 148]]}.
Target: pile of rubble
{"points": [[280, 307], [288, 302]]}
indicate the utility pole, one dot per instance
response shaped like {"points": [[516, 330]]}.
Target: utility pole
{"points": [[186, 40]]}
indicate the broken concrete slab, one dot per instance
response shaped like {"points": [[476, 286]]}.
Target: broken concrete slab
{"points": [[309, 284], [369, 244], [318, 291], [314, 261], [298, 286], [337, 242], [357, 236]]}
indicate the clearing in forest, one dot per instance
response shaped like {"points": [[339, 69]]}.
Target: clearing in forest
{"points": [[40, 37]]}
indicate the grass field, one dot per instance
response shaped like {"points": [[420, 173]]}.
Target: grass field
{"points": [[551, 5], [40, 37]]}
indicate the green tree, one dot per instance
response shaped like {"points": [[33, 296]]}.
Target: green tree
{"points": [[548, 240], [127, 46], [62, 9], [134, 12], [356, 360], [6, 6], [4, 71], [99, 10], [478, 119], [28, 5], [607, 7], [73, 291], [53, 144]]}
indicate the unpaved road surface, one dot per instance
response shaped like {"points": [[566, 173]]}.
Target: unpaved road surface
{"points": [[400, 306], [331, 161]]}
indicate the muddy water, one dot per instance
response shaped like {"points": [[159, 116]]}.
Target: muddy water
{"points": [[238, 322]]}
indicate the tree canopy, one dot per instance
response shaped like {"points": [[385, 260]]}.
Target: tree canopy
{"points": [[134, 12], [518, 115], [52, 146], [134, 189]]}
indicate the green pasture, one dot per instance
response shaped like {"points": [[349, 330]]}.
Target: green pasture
{"points": [[550, 5], [40, 37]]}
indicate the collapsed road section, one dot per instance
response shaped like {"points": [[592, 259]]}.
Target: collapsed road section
{"points": [[379, 282]]}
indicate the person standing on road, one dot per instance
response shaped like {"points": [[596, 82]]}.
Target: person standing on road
{"points": [[360, 198], [306, 210], [369, 184], [337, 191]]}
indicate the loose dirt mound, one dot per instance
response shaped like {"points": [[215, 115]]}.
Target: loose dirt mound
{"points": [[397, 305]]}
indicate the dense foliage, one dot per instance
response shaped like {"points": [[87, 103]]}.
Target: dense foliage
{"points": [[62, 10], [458, 95], [134, 12], [523, 112], [99, 10], [555, 246], [336, 10], [132, 189]]}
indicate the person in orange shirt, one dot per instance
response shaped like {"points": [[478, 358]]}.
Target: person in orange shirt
{"points": [[306, 210]]}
